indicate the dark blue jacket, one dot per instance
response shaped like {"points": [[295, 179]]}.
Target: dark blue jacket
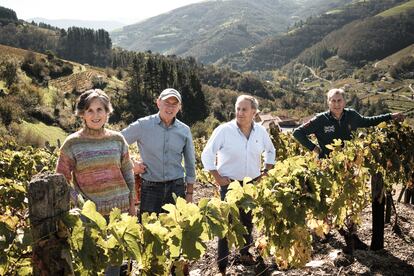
{"points": [[326, 128]]}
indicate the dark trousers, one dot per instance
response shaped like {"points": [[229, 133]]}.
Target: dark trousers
{"points": [[155, 194], [223, 246]]}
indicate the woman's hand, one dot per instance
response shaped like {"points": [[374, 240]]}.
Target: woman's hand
{"points": [[132, 211]]}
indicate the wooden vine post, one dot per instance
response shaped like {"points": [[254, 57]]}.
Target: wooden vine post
{"points": [[48, 202], [409, 195], [378, 207]]}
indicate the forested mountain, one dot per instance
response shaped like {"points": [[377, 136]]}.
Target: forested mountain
{"points": [[77, 44], [67, 23], [363, 40], [7, 15], [280, 50], [44, 87], [212, 29]]}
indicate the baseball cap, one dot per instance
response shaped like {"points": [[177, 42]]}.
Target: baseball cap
{"points": [[170, 92]]}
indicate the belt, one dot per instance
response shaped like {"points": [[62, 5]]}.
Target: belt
{"points": [[248, 182], [163, 182]]}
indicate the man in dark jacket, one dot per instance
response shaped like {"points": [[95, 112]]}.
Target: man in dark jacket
{"points": [[338, 123]]}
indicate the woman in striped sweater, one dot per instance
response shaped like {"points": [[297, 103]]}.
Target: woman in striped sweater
{"points": [[95, 160]]}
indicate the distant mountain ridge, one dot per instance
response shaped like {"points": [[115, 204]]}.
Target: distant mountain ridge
{"points": [[91, 24], [347, 31], [211, 30]]}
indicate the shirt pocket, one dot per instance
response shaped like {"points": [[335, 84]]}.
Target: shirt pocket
{"points": [[176, 145], [256, 146]]}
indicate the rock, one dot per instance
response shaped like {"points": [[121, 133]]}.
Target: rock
{"points": [[343, 260], [196, 272]]}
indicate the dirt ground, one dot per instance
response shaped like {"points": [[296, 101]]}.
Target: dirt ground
{"points": [[397, 257]]}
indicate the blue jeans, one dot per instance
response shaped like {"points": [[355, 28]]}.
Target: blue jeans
{"points": [[155, 194], [223, 246], [113, 271]]}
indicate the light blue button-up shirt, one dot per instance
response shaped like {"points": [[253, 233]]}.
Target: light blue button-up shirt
{"points": [[163, 148]]}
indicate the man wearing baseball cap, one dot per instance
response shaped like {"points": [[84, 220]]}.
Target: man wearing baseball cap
{"points": [[163, 142]]}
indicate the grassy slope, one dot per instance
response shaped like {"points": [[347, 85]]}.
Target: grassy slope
{"points": [[7, 53], [45, 132], [80, 79], [394, 58], [398, 9]]}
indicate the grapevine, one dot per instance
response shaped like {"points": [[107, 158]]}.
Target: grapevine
{"points": [[302, 196]]}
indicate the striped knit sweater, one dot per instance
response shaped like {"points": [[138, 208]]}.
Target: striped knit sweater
{"points": [[100, 169]]}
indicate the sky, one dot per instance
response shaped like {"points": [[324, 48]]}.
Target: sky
{"points": [[124, 11]]}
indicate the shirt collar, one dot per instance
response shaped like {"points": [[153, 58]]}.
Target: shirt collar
{"points": [[234, 123], [333, 118], [159, 122]]}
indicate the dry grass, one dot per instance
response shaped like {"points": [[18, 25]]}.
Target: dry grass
{"points": [[7, 53], [398, 9], [40, 133]]}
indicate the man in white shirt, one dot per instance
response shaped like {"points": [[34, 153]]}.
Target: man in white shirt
{"points": [[234, 152]]}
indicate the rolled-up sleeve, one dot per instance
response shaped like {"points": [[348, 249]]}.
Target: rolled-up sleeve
{"points": [[189, 159], [208, 156], [269, 154]]}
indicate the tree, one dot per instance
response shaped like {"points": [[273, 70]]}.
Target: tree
{"points": [[7, 15], [9, 73]]}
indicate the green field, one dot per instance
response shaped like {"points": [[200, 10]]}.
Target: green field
{"points": [[396, 104], [45, 132], [394, 58], [334, 11], [398, 9]]}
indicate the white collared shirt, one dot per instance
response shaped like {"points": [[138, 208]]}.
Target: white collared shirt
{"points": [[233, 155]]}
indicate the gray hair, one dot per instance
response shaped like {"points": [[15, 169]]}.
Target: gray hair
{"points": [[334, 92], [85, 99], [253, 101]]}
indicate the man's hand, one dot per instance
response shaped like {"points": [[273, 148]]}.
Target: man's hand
{"points": [[139, 167], [189, 192], [132, 211], [317, 150], [189, 197], [222, 180], [399, 117]]}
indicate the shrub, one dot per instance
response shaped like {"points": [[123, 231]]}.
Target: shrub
{"points": [[99, 82], [59, 69], [403, 69], [5, 133], [35, 69], [9, 73], [42, 115], [10, 110], [204, 128], [29, 98]]}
